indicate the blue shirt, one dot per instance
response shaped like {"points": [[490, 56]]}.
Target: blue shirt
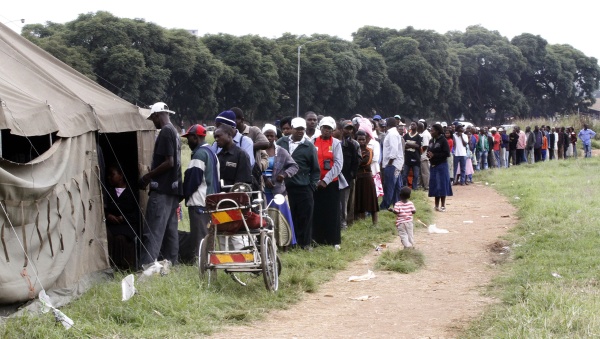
{"points": [[242, 142], [586, 136]]}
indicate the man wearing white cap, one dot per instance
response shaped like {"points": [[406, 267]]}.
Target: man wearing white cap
{"points": [[301, 186], [166, 190]]}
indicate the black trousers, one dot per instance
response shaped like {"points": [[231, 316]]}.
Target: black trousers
{"points": [[301, 205]]}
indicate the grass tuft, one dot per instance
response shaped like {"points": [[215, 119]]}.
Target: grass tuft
{"points": [[402, 261]]}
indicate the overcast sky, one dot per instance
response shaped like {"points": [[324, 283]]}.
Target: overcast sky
{"points": [[559, 23]]}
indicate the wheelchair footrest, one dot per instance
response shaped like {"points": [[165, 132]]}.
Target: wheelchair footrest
{"points": [[227, 258]]}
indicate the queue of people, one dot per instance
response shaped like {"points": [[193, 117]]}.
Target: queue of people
{"points": [[331, 172]]}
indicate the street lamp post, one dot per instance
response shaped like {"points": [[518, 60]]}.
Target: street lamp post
{"points": [[298, 88]]}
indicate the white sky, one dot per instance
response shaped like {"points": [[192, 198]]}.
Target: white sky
{"points": [[563, 22]]}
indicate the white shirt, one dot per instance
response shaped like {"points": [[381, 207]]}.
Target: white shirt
{"points": [[294, 144], [459, 149], [374, 145], [426, 139], [393, 149]]}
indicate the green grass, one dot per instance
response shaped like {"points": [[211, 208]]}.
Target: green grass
{"points": [[180, 305], [402, 261], [558, 232]]}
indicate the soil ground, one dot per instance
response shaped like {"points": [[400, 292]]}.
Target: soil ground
{"points": [[437, 301]]}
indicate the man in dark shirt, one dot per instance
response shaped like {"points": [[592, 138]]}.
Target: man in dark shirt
{"points": [[300, 187], [513, 138], [233, 161], [166, 190]]}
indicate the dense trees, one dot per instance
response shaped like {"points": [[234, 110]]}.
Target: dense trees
{"points": [[477, 73]]}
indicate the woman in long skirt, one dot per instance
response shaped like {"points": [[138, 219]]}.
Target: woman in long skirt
{"points": [[365, 198], [439, 178], [280, 167], [326, 214]]}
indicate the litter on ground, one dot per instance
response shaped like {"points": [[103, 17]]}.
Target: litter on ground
{"points": [[368, 276]]}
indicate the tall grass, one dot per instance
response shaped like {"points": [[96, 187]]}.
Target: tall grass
{"points": [[550, 289]]}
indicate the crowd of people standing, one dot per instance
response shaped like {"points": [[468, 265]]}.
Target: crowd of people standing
{"points": [[331, 172]]}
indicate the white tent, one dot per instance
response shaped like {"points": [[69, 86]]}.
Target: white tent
{"points": [[51, 120]]}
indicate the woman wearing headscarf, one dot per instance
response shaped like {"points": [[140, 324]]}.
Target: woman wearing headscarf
{"points": [[439, 177], [280, 167], [326, 214]]}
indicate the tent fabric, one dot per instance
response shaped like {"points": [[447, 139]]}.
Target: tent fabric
{"points": [[40, 95], [52, 207]]}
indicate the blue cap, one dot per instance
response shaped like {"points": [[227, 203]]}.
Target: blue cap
{"points": [[377, 117]]}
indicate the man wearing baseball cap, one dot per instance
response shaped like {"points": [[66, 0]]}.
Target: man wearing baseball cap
{"points": [[200, 179], [166, 190], [301, 186]]}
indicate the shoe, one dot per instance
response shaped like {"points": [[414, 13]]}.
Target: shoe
{"points": [[337, 247], [442, 209], [462, 184], [437, 208]]}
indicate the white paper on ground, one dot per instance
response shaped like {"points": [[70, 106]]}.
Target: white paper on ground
{"points": [[58, 315], [364, 297], [369, 275], [434, 229], [128, 287]]}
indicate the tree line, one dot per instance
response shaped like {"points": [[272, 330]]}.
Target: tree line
{"points": [[478, 73]]}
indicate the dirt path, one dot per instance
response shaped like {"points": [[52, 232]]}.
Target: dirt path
{"points": [[434, 302]]}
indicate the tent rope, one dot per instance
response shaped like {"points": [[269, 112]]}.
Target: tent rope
{"points": [[33, 266]]}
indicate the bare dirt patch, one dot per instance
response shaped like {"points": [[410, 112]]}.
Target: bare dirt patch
{"points": [[437, 301]]}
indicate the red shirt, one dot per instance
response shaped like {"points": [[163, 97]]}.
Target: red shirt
{"points": [[497, 141], [325, 152]]}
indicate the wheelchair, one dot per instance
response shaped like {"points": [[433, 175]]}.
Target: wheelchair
{"points": [[241, 237]]}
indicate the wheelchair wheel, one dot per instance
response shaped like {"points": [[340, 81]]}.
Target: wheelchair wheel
{"points": [[268, 258], [283, 231], [206, 273]]}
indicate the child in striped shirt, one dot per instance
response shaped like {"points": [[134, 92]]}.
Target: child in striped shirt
{"points": [[404, 210]]}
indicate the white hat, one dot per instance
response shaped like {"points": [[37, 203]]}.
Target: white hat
{"points": [[500, 129], [421, 120], [493, 129], [444, 124], [298, 122], [160, 107], [327, 121], [269, 127]]}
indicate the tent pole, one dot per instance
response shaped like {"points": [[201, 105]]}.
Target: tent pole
{"points": [[0, 144]]}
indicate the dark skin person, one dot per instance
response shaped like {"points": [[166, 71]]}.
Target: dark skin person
{"points": [[272, 137], [421, 129], [390, 123], [435, 134], [459, 133], [116, 180], [241, 126], [413, 130], [362, 141], [326, 132], [160, 119], [286, 129], [297, 134], [223, 138], [311, 123]]}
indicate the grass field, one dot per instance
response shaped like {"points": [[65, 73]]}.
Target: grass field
{"points": [[551, 287], [180, 305]]}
